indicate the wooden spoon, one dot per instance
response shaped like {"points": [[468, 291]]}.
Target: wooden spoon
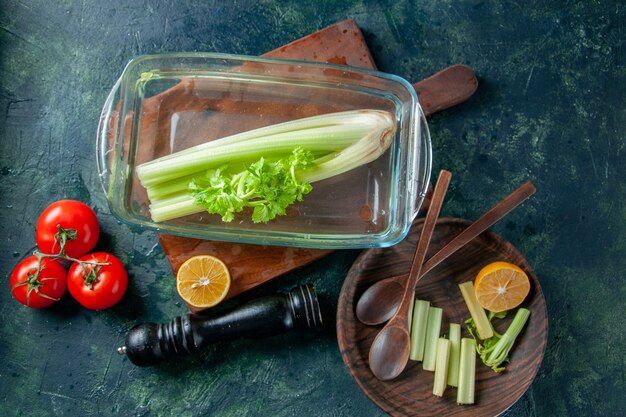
{"points": [[389, 353], [380, 301]]}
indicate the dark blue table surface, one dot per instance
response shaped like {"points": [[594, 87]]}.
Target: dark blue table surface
{"points": [[550, 107]]}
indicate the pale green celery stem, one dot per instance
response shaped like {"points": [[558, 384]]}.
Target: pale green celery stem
{"points": [[418, 329], [170, 187], [467, 372], [483, 326], [363, 151], [455, 352], [313, 138], [366, 150], [165, 189], [502, 348], [354, 117], [441, 366], [178, 197], [174, 209], [433, 328], [239, 179]]}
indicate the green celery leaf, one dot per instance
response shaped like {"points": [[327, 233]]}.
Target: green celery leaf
{"points": [[268, 187]]}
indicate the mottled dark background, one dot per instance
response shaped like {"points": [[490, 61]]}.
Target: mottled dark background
{"points": [[550, 107]]}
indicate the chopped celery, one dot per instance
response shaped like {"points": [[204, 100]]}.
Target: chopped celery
{"points": [[467, 372], [455, 351], [433, 328], [441, 366], [418, 329], [476, 311], [495, 350]]}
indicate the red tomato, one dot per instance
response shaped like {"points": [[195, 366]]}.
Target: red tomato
{"points": [[38, 290], [97, 286], [70, 220]]}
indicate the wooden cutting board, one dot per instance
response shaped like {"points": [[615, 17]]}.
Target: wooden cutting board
{"points": [[341, 43]]}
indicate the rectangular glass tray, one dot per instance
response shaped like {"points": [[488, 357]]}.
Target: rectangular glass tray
{"points": [[163, 104]]}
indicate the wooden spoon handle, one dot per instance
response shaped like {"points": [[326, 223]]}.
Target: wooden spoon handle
{"points": [[424, 240], [504, 207], [446, 88], [483, 223]]}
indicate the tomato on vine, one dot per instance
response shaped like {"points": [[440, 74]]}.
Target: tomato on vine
{"points": [[38, 283], [99, 281], [67, 230], [67, 225]]}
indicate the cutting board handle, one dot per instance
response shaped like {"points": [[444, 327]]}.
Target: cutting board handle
{"points": [[446, 88]]}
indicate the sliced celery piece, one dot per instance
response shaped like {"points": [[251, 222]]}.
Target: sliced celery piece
{"points": [[418, 329], [441, 366], [433, 328], [467, 372], [485, 331], [455, 351]]}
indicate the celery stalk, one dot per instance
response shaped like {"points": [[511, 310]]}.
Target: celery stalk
{"points": [[193, 180], [418, 329], [326, 133], [495, 354], [177, 197], [485, 331], [167, 188], [366, 150], [467, 372], [183, 183], [283, 143], [455, 351], [441, 366], [433, 328], [347, 118], [173, 208]]}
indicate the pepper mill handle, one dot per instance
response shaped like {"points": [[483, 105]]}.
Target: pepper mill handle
{"points": [[149, 344]]}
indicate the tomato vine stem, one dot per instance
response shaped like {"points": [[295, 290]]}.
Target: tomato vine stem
{"points": [[61, 237]]}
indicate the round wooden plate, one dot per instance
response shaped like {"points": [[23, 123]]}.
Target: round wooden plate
{"points": [[411, 393]]}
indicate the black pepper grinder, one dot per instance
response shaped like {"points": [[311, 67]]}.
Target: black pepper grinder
{"points": [[149, 344]]}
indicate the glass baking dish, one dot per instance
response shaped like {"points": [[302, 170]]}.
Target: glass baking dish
{"points": [[166, 103]]}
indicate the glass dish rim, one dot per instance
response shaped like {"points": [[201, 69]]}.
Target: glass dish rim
{"points": [[388, 237]]}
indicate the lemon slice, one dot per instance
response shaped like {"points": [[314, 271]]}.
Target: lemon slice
{"points": [[501, 286], [203, 281]]}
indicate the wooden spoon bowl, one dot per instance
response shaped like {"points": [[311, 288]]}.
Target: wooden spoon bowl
{"points": [[380, 301], [411, 393]]}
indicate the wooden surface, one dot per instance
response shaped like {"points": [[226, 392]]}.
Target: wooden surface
{"points": [[411, 393], [341, 43]]}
